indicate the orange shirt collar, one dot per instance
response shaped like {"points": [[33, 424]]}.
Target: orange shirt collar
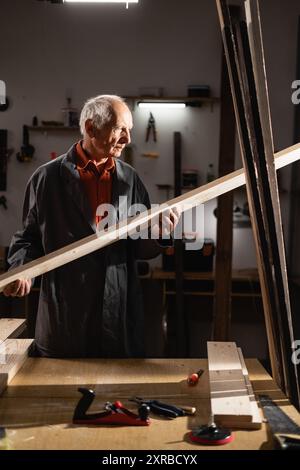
{"points": [[83, 160]]}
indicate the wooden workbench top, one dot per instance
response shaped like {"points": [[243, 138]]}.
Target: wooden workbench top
{"points": [[38, 405]]}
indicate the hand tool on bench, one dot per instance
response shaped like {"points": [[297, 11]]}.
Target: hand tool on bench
{"points": [[211, 434], [164, 409], [193, 379], [115, 413], [285, 431]]}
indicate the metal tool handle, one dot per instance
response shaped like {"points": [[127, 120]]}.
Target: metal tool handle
{"points": [[287, 442]]}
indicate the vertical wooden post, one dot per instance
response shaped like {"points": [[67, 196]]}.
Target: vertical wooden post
{"points": [[245, 60], [181, 324], [223, 268], [3, 159]]}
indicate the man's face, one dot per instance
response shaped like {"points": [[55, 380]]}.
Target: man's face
{"points": [[113, 137]]}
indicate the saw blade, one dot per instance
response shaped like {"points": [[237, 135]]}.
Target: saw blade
{"points": [[279, 422]]}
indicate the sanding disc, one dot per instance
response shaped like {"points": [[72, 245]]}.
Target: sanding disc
{"points": [[211, 435]]}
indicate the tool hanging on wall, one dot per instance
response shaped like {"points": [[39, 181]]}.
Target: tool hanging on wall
{"points": [[3, 159], [27, 150], [3, 202], [151, 128]]}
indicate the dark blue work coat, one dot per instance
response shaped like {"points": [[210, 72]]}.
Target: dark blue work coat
{"points": [[91, 307]]}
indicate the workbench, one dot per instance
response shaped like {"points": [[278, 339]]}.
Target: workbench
{"points": [[37, 406]]}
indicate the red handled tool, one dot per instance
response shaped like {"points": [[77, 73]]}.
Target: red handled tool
{"points": [[194, 378], [114, 414]]}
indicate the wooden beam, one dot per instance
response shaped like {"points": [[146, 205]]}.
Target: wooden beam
{"points": [[11, 328], [223, 265], [249, 88], [94, 242], [264, 161], [181, 349]]}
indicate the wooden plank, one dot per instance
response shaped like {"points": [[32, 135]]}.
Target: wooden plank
{"points": [[228, 392], [13, 353], [93, 242], [256, 421], [223, 356], [256, 415], [11, 328], [246, 151], [253, 118], [223, 265], [181, 349], [264, 161]]}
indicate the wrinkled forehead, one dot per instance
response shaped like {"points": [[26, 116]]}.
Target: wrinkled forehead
{"points": [[121, 115]]}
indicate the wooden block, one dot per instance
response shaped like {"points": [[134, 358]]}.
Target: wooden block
{"points": [[11, 328], [229, 394], [256, 414], [223, 356], [256, 421], [13, 353]]}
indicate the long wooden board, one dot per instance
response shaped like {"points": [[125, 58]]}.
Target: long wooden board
{"points": [[11, 328], [262, 139], [93, 242], [252, 190], [249, 89]]}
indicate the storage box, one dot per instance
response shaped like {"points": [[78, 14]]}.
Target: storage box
{"points": [[193, 260]]}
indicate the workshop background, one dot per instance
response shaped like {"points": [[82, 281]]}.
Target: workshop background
{"points": [[51, 52]]}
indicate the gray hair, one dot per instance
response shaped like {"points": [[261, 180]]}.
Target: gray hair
{"points": [[99, 109]]}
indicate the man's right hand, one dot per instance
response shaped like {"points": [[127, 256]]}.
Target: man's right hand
{"points": [[18, 288]]}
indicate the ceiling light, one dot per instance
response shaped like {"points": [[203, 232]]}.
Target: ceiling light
{"points": [[157, 104], [101, 1]]}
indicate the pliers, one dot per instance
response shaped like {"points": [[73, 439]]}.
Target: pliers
{"points": [[160, 408], [151, 127]]}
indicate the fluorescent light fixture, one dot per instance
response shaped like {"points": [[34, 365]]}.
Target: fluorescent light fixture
{"points": [[152, 105], [101, 1]]}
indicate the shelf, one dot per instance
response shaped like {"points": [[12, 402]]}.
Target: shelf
{"points": [[52, 128], [250, 275]]}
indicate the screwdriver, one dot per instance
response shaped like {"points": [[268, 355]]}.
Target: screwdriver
{"points": [[193, 378]]}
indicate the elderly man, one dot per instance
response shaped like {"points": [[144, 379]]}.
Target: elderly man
{"points": [[91, 307]]}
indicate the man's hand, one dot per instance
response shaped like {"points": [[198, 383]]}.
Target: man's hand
{"points": [[18, 288], [167, 223]]}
